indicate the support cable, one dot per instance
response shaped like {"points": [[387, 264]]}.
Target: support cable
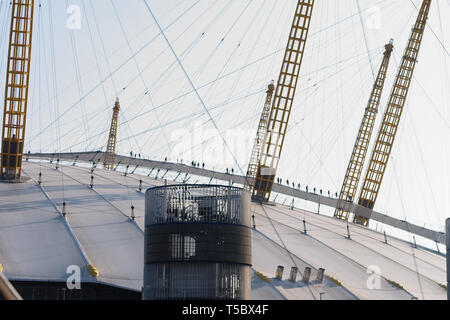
{"points": [[193, 86], [110, 75], [363, 27], [55, 90], [139, 70]]}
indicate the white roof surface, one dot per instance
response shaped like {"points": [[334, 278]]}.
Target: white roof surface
{"points": [[37, 243]]}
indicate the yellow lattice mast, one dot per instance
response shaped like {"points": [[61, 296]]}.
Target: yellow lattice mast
{"points": [[355, 167], [283, 101], [112, 138], [388, 130], [16, 89], [260, 137]]}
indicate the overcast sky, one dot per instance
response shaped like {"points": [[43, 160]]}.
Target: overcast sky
{"points": [[231, 51]]}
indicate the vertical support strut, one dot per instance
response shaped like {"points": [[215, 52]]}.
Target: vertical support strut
{"points": [[283, 101], [388, 130], [447, 242], [112, 139], [355, 167], [16, 89], [260, 137]]}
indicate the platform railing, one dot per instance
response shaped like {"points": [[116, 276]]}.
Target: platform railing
{"points": [[97, 157]]}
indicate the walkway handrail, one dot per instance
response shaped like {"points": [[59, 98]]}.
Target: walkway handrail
{"points": [[98, 157]]}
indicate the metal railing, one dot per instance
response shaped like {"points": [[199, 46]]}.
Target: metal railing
{"points": [[196, 203], [98, 157]]}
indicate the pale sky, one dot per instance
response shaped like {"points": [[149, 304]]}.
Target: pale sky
{"points": [[231, 51]]}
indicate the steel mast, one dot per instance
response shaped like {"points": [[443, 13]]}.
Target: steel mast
{"points": [[355, 167], [112, 138], [388, 130], [283, 101], [16, 89], [260, 138]]}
